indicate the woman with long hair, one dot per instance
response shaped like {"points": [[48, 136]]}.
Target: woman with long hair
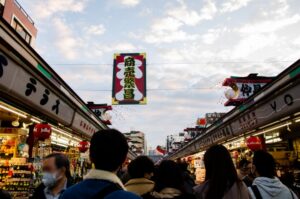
{"points": [[221, 180]]}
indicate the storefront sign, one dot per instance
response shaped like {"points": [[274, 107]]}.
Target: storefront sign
{"points": [[243, 87], [213, 117], [19, 83], [129, 79], [84, 126]]}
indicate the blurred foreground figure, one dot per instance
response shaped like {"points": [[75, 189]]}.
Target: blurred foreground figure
{"points": [[169, 182], [221, 179], [108, 152], [266, 185], [141, 171]]}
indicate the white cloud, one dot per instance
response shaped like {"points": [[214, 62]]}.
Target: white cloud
{"points": [[253, 43], [95, 29], [166, 24], [66, 41], [270, 25], [192, 17], [48, 8], [169, 36], [209, 10], [213, 34], [233, 5], [130, 3]]}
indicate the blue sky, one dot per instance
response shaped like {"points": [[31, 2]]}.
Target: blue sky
{"points": [[193, 44]]}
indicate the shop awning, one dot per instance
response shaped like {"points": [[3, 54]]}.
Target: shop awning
{"points": [[278, 99]]}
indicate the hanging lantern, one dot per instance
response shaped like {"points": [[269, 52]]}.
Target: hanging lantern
{"points": [[254, 143], [42, 131], [83, 146]]}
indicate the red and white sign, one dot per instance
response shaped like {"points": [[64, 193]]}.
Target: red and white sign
{"points": [[254, 143], [42, 131], [243, 87], [129, 79]]}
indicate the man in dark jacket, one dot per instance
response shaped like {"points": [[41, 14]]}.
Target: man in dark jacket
{"points": [[108, 151], [56, 177]]}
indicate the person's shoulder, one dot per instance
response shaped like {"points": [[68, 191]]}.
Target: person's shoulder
{"points": [[121, 194]]}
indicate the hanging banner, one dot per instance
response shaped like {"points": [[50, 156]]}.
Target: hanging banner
{"points": [[243, 87], [129, 79]]}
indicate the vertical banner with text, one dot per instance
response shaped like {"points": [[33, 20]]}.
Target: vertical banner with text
{"points": [[129, 79]]}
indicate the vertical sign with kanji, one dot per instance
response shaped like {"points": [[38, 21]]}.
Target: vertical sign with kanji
{"points": [[129, 79]]}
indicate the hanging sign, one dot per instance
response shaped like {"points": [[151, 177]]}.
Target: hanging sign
{"points": [[243, 87], [129, 79], [42, 131], [83, 146], [254, 143]]}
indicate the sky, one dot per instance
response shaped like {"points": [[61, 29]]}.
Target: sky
{"points": [[191, 46]]}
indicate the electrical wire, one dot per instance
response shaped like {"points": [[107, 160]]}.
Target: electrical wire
{"points": [[153, 89]]}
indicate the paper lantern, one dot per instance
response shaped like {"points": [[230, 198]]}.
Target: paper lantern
{"points": [[83, 146], [42, 131], [254, 143]]}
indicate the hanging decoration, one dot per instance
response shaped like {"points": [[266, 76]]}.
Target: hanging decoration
{"points": [[42, 131], [83, 146], [254, 143], [129, 79]]}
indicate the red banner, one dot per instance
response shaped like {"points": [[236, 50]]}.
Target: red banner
{"points": [[129, 79]]}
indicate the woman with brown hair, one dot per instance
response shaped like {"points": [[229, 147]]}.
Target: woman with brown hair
{"points": [[221, 180]]}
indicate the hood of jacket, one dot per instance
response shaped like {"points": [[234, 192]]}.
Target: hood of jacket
{"points": [[167, 193], [104, 175], [271, 186], [140, 186]]}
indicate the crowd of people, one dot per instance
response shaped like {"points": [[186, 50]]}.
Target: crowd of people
{"points": [[108, 151]]}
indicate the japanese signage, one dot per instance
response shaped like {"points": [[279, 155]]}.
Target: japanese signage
{"points": [[243, 87], [82, 125], [274, 108], [213, 117], [101, 111], [129, 79], [19, 83]]}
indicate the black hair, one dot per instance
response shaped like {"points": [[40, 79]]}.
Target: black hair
{"points": [[169, 175], [264, 163], [140, 166], [243, 163], [220, 171], [61, 161], [108, 149], [4, 194]]}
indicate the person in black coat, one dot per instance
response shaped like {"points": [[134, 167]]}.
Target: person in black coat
{"points": [[56, 177]]}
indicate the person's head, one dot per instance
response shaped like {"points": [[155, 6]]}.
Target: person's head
{"points": [[56, 167], [244, 167], [108, 150], [169, 175], [183, 165], [263, 164], [141, 167], [220, 171]]}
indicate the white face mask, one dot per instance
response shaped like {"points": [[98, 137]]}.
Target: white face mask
{"points": [[49, 179]]}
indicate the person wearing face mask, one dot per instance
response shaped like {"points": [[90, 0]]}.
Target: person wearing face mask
{"points": [[56, 177]]}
